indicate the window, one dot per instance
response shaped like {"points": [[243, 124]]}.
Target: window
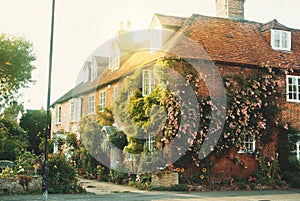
{"points": [[298, 150], [116, 92], [75, 109], [294, 143], [91, 104], [156, 39], [293, 88], [102, 100], [281, 40], [93, 71], [148, 82], [58, 114], [72, 111], [150, 142], [114, 59], [248, 144]]}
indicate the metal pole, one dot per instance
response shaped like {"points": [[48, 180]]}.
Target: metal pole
{"points": [[48, 118]]}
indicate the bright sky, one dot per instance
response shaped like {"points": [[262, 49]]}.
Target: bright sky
{"points": [[83, 25]]}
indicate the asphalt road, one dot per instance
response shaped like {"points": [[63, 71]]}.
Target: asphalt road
{"points": [[110, 192]]}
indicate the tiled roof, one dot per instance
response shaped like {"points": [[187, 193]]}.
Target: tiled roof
{"points": [[235, 41], [133, 61], [166, 20], [218, 39]]}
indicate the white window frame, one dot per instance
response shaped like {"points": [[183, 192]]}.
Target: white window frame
{"points": [[114, 59], [150, 142], [102, 100], [116, 88], [91, 104], [155, 39], [293, 89], [248, 144], [148, 82], [281, 40], [75, 109], [93, 72], [57, 114], [72, 110], [298, 150]]}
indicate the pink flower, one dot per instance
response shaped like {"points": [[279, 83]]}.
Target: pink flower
{"points": [[286, 127], [262, 125]]}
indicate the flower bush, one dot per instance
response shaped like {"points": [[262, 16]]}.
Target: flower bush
{"points": [[62, 176]]}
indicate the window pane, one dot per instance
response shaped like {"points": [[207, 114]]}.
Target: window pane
{"points": [[277, 39], [284, 40], [290, 80]]}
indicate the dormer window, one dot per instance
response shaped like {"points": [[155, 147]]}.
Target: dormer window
{"points": [[93, 72], [114, 59], [281, 40], [156, 40]]}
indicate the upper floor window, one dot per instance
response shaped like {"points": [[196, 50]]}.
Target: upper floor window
{"points": [[102, 100], [281, 40], [248, 144], [72, 111], [57, 114], [148, 82], [75, 109], [293, 88], [116, 92], [91, 104]]}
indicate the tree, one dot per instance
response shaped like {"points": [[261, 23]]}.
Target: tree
{"points": [[13, 111], [16, 56], [12, 139], [34, 123]]}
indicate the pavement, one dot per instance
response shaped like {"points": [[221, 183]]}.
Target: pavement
{"points": [[108, 191]]}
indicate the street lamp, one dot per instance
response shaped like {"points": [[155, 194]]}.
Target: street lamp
{"points": [[48, 118]]}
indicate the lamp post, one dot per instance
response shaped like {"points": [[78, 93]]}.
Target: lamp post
{"points": [[48, 118]]}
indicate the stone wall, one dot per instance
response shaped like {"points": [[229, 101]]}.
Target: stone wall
{"points": [[165, 178], [20, 184]]}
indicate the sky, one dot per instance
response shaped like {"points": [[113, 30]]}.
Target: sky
{"points": [[81, 26]]}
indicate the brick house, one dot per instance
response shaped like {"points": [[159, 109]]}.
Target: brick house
{"points": [[236, 47]]}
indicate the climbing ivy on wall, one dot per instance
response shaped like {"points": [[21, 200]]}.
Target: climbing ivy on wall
{"points": [[253, 107]]}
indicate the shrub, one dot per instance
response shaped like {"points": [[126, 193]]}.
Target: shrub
{"points": [[118, 177], [62, 176]]}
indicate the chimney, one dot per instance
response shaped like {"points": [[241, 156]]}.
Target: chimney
{"points": [[232, 9], [128, 24]]}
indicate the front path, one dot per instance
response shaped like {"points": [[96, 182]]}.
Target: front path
{"points": [[106, 191]]}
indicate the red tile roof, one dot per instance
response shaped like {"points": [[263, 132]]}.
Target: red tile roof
{"points": [[218, 39], [236, 41], [166, 20]]}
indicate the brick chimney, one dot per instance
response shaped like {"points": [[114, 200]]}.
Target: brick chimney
{"points": [[232, 9]]}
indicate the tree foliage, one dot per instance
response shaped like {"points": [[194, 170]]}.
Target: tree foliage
{"points": [[34, 123], [16, 57], [12, 139]]}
